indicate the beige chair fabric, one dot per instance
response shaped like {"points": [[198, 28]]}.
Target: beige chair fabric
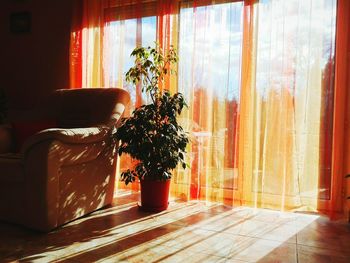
{"points": [[63, 173]]}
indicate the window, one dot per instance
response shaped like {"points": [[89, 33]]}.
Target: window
{"points": [[259, 79]]}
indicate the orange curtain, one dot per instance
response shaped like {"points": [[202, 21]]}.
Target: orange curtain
{"points": [[341, 151], [259, 78]]}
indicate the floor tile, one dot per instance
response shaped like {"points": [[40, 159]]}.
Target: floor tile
{"points": [[191, 231], [262, 250], [325, 235], [308, 254]]}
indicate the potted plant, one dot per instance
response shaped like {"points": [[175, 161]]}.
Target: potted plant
{"points": [[152, 135]]}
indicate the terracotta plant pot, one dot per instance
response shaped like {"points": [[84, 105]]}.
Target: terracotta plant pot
{"points": [[154, 195]]}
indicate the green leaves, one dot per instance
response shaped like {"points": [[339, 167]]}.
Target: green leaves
{"points": [[152, 134], [151, 66], [160, 144], [128, 176]]}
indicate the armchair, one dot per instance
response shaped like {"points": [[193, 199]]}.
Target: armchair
{"points": [[63, 173]]}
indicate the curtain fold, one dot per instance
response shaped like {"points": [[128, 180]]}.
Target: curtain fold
{"points": [[288, 124], [259, 80]]}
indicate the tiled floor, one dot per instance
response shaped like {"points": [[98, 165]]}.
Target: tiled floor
{"points": [[186, 232]]}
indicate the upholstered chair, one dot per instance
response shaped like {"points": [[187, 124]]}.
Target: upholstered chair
{"points": [[66, 170]]}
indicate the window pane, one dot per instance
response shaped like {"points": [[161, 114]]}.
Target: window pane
{"points": [[295, 73], [210, 47], [121, 37]]}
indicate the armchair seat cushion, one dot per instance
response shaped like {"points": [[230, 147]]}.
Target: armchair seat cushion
{"points": [[11, 168]]}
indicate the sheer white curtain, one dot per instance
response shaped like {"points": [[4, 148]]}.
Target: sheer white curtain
{"points": [[259, 80]]}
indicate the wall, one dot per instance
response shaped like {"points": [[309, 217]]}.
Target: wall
{"points": [[35, 63]]}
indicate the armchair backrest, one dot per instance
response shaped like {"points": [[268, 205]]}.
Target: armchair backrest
{"points": [[88, 107]]}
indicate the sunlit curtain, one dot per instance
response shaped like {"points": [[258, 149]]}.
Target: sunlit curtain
{"points": [[287, 104], [259, 80], [210, 48]]}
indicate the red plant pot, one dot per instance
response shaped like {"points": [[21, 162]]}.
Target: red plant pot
{"points": [[154, 195]]}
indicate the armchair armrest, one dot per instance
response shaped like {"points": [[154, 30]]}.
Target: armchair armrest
{"points": [[69, 136], [53, 157]]}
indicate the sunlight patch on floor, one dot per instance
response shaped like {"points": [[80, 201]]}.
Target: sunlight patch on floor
{"points": [[186, 229]]}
